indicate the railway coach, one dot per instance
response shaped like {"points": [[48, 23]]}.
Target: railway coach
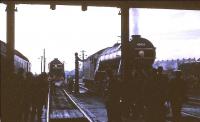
{"points": [[20, 61]]}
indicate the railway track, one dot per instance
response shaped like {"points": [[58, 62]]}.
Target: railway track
{"points": [[193, 101], [63, 108], [192, 108], [89, 119], [190, 115]]}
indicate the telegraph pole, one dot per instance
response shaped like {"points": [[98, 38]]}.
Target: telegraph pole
{"points": [[83, 51], [41, 63], [44, 60]]}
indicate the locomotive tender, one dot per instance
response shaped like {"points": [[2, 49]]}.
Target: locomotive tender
{"points": [[142, 55], [20, 61]]}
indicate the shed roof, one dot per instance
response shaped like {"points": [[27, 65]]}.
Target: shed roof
{"points": [[161, 4]]}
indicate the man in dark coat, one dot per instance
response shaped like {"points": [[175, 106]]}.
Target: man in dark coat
{"points": [[177, 95], [112, 98]]}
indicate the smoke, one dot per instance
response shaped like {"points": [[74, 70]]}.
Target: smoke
{"points": [[134, 17]]}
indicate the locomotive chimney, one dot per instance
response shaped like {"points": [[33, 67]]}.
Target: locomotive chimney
{"points": [[136, 36]]}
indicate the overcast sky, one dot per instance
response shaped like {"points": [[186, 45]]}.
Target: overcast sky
{"points": [[66, 30]]}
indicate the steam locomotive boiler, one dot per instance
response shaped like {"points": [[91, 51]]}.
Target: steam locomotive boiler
{"points": [[142, 55]]}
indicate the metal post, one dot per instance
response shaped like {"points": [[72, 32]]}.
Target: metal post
{"points": [[125, 41], [10, 35], [76, 88]]}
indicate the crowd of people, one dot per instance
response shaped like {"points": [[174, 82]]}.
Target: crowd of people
{"points": [[24, 96], [145, 96]]}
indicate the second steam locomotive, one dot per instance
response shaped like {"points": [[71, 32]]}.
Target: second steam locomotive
{"points": [[56, 70], [141, 56]]}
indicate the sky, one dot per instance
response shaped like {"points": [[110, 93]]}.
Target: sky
{"points": [[66, 30]]}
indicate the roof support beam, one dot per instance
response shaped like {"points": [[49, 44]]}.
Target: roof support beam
{"points": [[125, 43], [10, 36], [160, 4]]}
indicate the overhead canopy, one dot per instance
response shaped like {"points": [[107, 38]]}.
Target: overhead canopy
{"points": [[162, 4]]}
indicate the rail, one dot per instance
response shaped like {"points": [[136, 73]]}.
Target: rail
{"points": [[83, 87], [48, 105], [82, 111], [192, 101], [191, 115], [195, 101]]}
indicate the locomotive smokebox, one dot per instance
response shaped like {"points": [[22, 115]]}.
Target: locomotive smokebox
{"points": [[143, 52]]}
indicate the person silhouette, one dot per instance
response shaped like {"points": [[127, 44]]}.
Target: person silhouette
{"points": [[113, 98], [177, 95]]}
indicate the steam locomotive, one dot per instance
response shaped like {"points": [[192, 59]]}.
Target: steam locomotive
{"points": [[142, 56], [56, 71], [20, 61]]}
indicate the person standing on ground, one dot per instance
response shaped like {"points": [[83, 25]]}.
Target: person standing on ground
{"points": [[177, 95], [113, 98]]}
